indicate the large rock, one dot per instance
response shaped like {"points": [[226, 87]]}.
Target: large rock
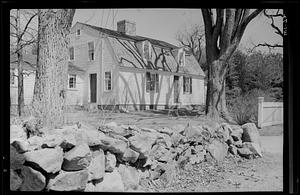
{"points": [[142, 143], [97, 166], [35, 142], [164, 139], [69, 181], [68, 142], [81, 136], [33, 180], [16, 160], [218, 150], [254, 148], [236, 133], [89, 187], [51, 141], [165, 130], [15, 180], [94, 137], [178, 128], [17, 132], [50, 160], [250, 133], [176, 139], [130, 177], [160, 153], [113, 127], [113, 145], [21, 145], [110, 162], [193, 131], [112, 182], [245, 152], [130, 155], [78, 158]]}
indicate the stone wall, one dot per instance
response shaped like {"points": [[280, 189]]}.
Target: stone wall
{"points": [[118, 157]]}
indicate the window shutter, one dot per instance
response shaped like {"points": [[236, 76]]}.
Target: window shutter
{"points": [[191, 85], [147, 81], [184, 83], [157, 83]]}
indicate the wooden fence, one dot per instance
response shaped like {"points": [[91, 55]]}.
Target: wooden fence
{"points": [[269, 113]]}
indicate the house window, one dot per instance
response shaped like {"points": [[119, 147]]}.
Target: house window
{"points": [[72, 81], [78, 32], [12, 77], [147, 50], [71, 53], [181, 60], [187, 85], [152, 82], [91, 50], [107, 81]]}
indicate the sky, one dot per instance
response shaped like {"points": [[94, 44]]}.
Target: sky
{"points": [[164, 24]]}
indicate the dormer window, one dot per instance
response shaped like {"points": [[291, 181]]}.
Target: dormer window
{"points": [[78, 32], [181, 57], [147, 54]]}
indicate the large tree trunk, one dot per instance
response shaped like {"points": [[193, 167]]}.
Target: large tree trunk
{"points": [[20, 68], [215, 101], [52, 66]]}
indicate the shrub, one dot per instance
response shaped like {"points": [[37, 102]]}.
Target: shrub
{"points": [[243, 108]]}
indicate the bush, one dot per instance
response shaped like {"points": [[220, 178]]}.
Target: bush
{"points": [[243, 109]]}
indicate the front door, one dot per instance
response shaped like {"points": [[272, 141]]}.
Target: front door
{"points": [[176, 89], [93, 87]]}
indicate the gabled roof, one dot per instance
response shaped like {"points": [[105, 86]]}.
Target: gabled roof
{"points": [[128, 55], [130, 37], [30, 63]]}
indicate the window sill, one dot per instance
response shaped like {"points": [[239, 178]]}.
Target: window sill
{"points": [[107, 91], [72, 89]]}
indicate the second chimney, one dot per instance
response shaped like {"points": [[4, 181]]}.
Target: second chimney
{"points": [[127, 27]]}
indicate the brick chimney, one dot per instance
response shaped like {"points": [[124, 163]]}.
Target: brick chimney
{"points": [[127, 27]]}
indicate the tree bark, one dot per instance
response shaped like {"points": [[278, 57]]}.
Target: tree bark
{"points": [[20, 68], [52, 66]]}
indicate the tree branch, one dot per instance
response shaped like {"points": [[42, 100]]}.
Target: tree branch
{"points": [[28, 22], [207, 23], [228, 28], [267, 45], [217, 28], [270, 16]]}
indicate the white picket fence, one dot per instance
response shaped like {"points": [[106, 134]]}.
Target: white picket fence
{"points": [[269, 113]]}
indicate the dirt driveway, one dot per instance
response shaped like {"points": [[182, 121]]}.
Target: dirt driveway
{"points": [[272, 144]]}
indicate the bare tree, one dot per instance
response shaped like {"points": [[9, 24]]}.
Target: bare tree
{"points": [[193, 40], [23, 37], [279, 15], [224, 29], [52, 65]]}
